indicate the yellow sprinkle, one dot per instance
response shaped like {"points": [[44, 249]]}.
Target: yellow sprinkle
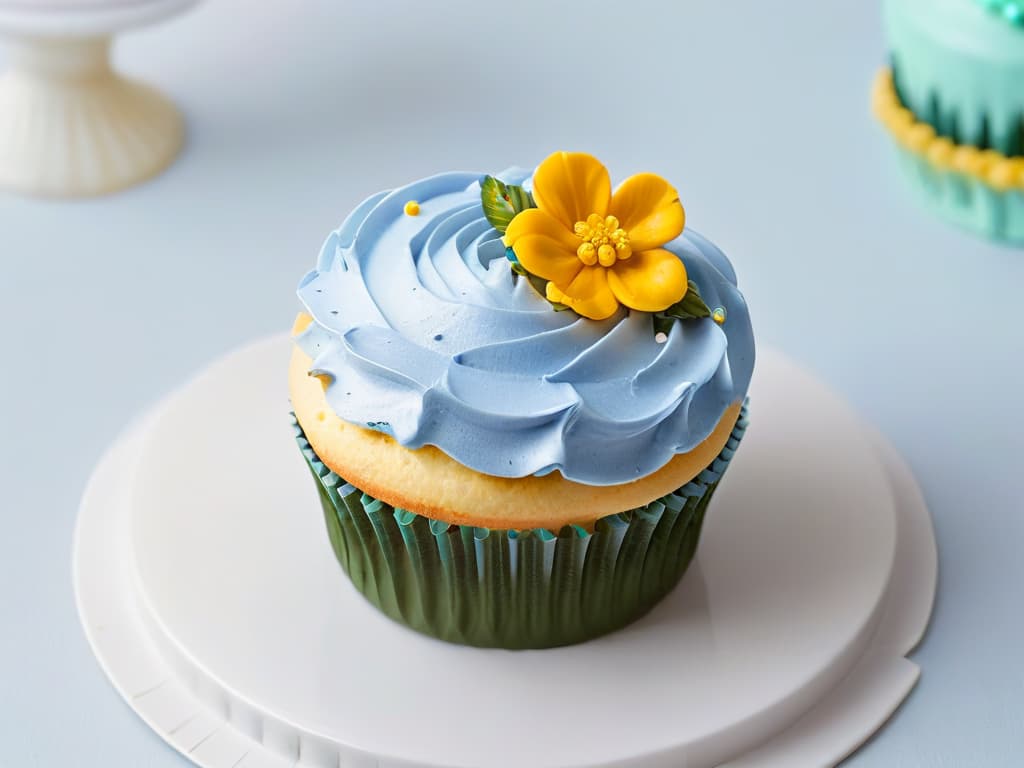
{"points": [[412, 208], [320, 415]]}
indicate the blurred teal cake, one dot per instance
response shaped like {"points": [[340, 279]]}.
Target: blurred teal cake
{"points": [[953, 101]]}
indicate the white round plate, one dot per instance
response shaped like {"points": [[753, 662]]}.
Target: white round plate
{"points": [[209, 592]]}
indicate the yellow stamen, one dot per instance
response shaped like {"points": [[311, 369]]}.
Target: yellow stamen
{"points": [[604, 241], [587, 253]]}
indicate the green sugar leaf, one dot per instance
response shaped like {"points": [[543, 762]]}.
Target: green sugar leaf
{"points": [[503, 201], [539, 284], [689, 307], [663, 324]]}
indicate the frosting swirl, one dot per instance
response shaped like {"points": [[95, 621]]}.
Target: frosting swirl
{"points": [[424, 333]]}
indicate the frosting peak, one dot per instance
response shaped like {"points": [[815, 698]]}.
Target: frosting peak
{"points": [[424, 332]]}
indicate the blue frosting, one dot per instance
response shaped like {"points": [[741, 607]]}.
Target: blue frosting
{"points": [[425, 335]]}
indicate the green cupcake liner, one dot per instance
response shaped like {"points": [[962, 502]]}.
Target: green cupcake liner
{"points": [[515, 589]]}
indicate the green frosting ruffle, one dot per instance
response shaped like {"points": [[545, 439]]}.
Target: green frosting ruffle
{"points": [[515, 589]]}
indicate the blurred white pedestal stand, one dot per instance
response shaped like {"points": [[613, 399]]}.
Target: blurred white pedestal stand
{"points": [[69, 124]]}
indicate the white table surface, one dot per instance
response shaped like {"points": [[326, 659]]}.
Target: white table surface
{"points": [[756, 111]]}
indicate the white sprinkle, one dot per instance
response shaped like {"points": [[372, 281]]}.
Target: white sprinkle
{"points": [[660, 337]]}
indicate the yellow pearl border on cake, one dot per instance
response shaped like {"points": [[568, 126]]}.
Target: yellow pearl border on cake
{"points": [[988, 166]]}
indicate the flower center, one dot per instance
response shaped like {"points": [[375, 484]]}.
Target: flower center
{"points": [[604, 241]]}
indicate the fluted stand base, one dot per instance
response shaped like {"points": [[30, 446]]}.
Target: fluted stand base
{"points": [[71, 126]]}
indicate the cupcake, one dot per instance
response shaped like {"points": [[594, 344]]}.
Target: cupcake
{"points": [[517, 395], [954, 105]]}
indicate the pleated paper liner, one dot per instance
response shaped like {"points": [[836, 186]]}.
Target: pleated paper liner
{"points": [[515, 589]]}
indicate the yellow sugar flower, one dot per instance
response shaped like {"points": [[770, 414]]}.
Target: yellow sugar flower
{"points": [[596, 248]]}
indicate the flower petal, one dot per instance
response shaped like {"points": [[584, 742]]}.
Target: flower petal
{"points": [[589, 294], [650, 281], [548, 258], [534, 221], [572, 185], [648, 208]]}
